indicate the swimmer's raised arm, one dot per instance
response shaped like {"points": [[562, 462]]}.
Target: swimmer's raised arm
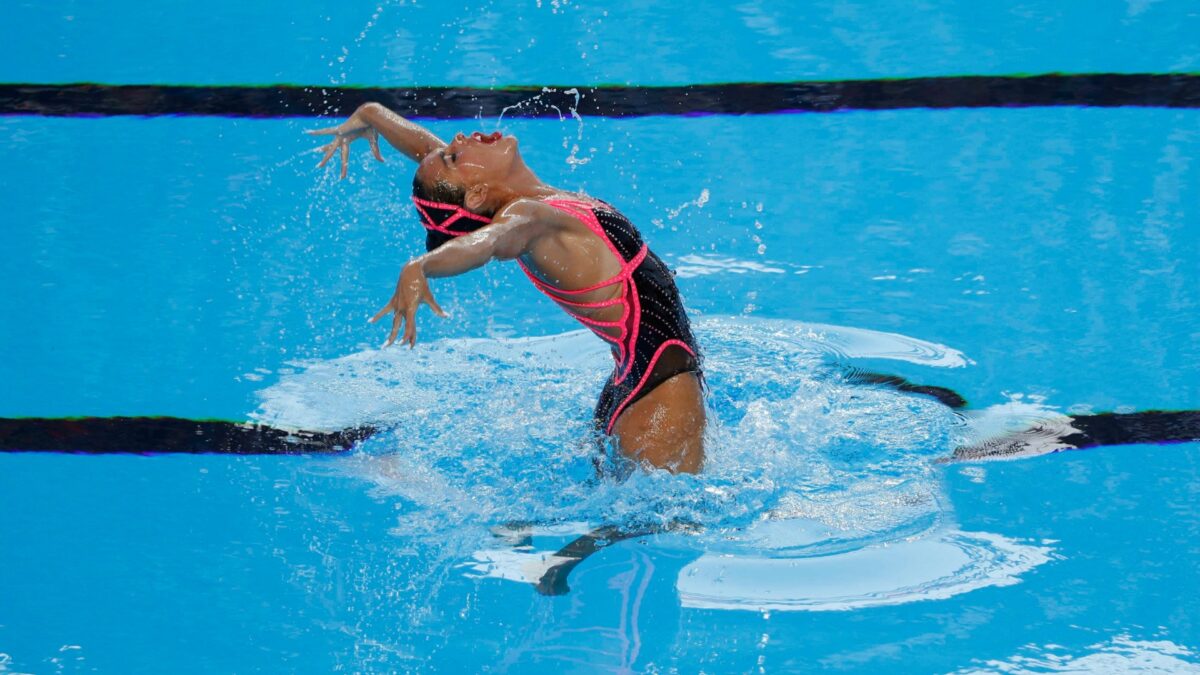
{"points": [[511, 233], [371, 121], [412, 139]]}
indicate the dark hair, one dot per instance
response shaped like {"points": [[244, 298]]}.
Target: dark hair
{"points": [[443, 192]]}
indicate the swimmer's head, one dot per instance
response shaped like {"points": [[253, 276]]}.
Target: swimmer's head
{"points": [[477, 164], [470, 173]]}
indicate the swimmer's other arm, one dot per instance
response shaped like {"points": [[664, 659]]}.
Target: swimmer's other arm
{"points": [[371, 121], [511, 234]]}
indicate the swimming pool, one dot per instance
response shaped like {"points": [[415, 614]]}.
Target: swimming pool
{"points": [[1037, 260]]}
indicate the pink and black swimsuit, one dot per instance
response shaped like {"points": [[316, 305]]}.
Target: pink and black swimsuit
{"points": [[651, 342]]}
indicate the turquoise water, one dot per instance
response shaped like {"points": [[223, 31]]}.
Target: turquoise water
{"points": [[1038, 261]]}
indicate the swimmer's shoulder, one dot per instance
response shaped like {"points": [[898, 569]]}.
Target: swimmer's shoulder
{"points": [[535, 210]]}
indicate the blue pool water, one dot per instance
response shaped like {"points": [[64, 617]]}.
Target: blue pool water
{"points": [[1039, 261]]}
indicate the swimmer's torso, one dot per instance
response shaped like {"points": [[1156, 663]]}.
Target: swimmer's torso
{"points": [[574, 257], [599, 270]]}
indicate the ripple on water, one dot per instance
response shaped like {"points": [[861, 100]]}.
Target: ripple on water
{"points": [[1120, 654]]}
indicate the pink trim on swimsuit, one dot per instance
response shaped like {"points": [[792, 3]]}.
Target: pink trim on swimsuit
{"points": [[642, 382], [630, 321], [444, 227], [627, 297]]}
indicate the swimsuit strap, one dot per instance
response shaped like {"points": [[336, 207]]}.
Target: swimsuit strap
{"points": [[587, 214], [627, 325], [454, 213]]}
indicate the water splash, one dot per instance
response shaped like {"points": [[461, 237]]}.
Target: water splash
{"points": [[700, 265], [802, 464], [1024, 426], [536, 99], [542, 99], [698, 203]]}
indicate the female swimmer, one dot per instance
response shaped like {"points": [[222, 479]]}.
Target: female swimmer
{"points": [[479, 202]]}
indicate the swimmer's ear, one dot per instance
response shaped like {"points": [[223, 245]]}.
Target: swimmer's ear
{"points": [[476, 197]]}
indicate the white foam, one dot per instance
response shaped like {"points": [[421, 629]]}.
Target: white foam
{"points": [[388, 386], [700, 265], [1017, 429], [512, 565]]}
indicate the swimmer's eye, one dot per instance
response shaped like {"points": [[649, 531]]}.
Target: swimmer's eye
{"points": [[453, 157]]}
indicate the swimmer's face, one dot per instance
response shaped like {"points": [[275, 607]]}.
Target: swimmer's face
{"points": [[471, 162]]}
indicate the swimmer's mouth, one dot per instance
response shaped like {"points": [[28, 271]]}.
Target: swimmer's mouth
{"points": [[488, 138]]}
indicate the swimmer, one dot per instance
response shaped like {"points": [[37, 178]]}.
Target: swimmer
{"points": [[479, 202]]}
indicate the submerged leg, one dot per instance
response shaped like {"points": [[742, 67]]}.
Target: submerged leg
{"points": [[554, 581]]}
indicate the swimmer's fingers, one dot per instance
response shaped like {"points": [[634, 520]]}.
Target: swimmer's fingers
{"points": [[410, 327], [398, 316], [327, 131], [395, 329], [437, 309], [381, 313], [345, 159], [373, 139], [329, 149]]}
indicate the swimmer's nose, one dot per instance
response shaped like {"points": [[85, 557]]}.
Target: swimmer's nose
{"points": [[460, 137]]}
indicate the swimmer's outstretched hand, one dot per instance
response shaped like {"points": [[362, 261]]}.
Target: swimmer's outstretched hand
{"points": [[411, 291], [354, 128]]}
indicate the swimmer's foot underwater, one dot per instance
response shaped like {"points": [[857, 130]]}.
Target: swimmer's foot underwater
{"points": [[554, 580]]}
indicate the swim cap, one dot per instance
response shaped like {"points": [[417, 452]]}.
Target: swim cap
{"points": [[446, 221]]}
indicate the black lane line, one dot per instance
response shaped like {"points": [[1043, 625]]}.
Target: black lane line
{"points": [[945, 396], [174, 435], [167, 435], [1083, 432], [740, 98]]}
